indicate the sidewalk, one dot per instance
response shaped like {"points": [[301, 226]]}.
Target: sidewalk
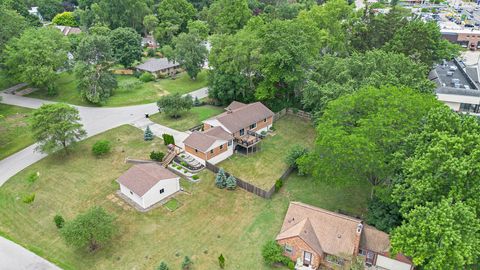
{"points": [[15, 257]]}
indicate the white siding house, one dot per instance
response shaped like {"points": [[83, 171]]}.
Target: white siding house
{"points": [[148, 184]]}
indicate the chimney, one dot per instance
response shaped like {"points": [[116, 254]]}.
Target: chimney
{"points": [[358, 235], [229, 110]]}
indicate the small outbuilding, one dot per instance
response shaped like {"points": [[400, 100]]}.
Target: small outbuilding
{"points": [[159, 67], [147, 184]]}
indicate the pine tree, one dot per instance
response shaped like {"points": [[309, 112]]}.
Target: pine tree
{"points": [[231, 182], [221, 261], [162, 266], [148, 135], [220, 179]]}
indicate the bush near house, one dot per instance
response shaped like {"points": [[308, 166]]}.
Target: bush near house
{"points": [[146, 77], [157, 156], [101, 147], [168, 139], [231, 183], [278, 185], [221, 179]]}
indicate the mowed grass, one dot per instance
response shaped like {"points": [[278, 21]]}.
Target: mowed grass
{"points": [[14, 131], [130, 91], [263, 168], [189, 119], [210, 221]]}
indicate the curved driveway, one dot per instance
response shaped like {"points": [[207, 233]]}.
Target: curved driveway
{"points": [[95, 120]]}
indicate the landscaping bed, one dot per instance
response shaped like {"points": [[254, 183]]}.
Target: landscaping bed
{"points": [[264, 167], [14, 131], [130, 91]]}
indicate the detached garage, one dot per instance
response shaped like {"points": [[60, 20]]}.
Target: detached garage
{"points": [[147, 184]]}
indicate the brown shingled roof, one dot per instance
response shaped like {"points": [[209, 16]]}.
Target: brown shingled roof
{"points": [[235, 105], [219, 132], [374, 240], [200, 141], [335, 233], [142, 177], [243, 116]]}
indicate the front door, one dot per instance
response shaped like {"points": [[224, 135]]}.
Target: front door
{"points": [[307, 258]]}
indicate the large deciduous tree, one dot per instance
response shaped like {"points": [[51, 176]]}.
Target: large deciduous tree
{"points": [[127, 46], [95, 81], [65, 18], [56, 126], [227, 17], [123, 13], [174, 16], [174, 105], [332, 76], [358, 134], [36, 56], [443, 235], [191, 53], [12, 24], [49, 8], [429, 46], [90, 229]]}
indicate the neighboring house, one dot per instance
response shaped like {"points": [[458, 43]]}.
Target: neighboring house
{"points": [[457, 86], [147, 184], [239, 127], [67, 30], [315, 237], [159, 67]]}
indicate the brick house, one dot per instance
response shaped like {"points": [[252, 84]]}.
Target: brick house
{"points": [[316, 238], [239, 127]]}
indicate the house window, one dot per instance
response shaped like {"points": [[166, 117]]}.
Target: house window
{"points": [[229, 143], [362, 252], [254, 125], [162, 190], [221, 147], [242, 132], [196, 150], [265, 120], [288, 249]]}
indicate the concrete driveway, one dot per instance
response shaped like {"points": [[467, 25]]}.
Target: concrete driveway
{"points": [[95, 120]]}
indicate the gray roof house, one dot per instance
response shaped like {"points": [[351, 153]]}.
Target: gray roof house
{"points": [[158, 65]]}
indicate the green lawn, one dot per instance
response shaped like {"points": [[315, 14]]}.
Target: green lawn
{"points": [[211, 221], [14, 132], [130, 91], [264, 167], [189, 119]]}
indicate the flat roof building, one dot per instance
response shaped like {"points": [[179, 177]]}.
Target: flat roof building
{"points": [[457, 86]]}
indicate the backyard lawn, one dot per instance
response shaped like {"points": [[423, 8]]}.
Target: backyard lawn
{"points": [[189, 119], [265, 167], [210, 221], [14, 132], [130, 91]]}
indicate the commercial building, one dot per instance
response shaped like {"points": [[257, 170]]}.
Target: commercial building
{"points": [[467, 38], [457, 86]]}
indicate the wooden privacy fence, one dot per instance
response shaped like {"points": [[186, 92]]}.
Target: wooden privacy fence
{"points": [[299, 113], [249, 187]]}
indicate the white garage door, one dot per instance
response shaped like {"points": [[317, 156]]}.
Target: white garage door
{"points": [[391, 264]]}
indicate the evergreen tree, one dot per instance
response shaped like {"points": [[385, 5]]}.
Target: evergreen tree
{"points": [[148, 135], [231, 182], [221, 260], [220, 179]]}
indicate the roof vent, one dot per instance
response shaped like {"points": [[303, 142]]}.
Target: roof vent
{"points": [[339, 236], [359, 227], [229, 110]]}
